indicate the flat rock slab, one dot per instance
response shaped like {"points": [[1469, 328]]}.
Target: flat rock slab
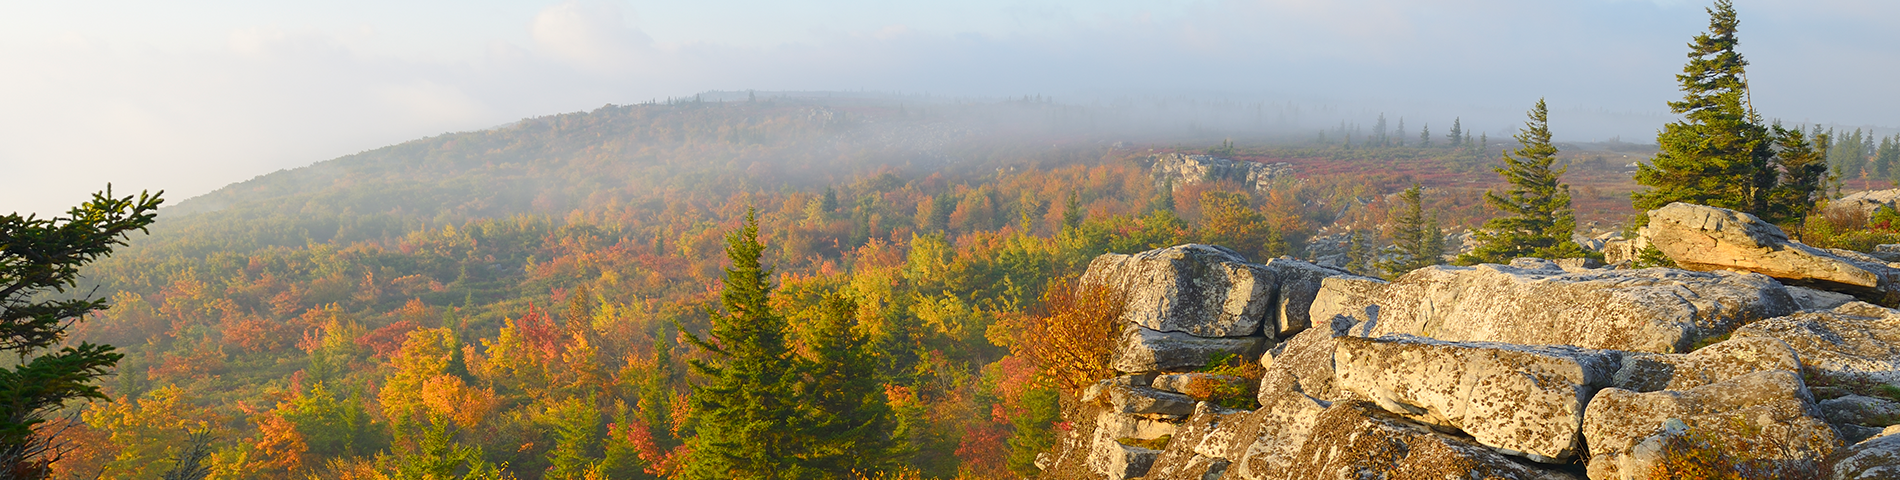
{"points": [[1764, 415], [1522, 400], [1201, 290], [1143, 350], [1354, 298], [1357, 440], [1854, 340], [1698, 237], [1649, 372], [1650, 310]]}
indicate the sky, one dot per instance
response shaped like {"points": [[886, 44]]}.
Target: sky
{"points": [[190, 95]]}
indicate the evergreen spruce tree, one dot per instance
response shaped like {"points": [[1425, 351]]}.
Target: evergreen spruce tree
{"points": [[1358, 253], [1456, 137], [39, 262], [1537, 220], [1887, 157], [1399, 134], [1804, 173], [1419, 241], [1072, 213], [1425, 136], [745, 407], [846, 413], [1718, 154]]}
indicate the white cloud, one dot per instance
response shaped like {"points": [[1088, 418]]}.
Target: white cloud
{"points": [[591, 36], [84, 103]]}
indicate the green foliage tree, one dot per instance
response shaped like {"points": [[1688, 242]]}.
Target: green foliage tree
{"points": [[847, 415], [1228, 219], [332, 425], [1457, 136], [576, 428], [1537, 220], [1425, 136], [744, 407], [1417, 237], [40, 258], [1718, 154]]}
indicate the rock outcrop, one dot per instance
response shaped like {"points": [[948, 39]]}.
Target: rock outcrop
{"points": [[1182, 170], [1649, 310], [1534, 370], [1200, 290], [1766, 416], [1522, 400], [1709, 238]]}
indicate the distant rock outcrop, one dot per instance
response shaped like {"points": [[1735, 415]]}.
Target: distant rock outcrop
{"points": [[1182, 170], [1868, 201]]}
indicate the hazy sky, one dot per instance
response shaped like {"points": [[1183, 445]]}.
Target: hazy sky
{"points": [[190, 95]]}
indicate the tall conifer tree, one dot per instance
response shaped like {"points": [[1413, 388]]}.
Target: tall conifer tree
{"points": [[846, 414], [1419, 241], [1804, 172], [1718, 154], [1537, 220], [744, 409]]}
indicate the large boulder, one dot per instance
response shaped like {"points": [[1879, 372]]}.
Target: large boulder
{"points": [[1143, 350], [1354, 298], [1877, 458], [1649, 372], [1356, 440], [1522, 400], [1648, 310], [1704, 238], [1300, 283], [1764, 417], [1857, 340], [1307, 360], [1200, 290]]}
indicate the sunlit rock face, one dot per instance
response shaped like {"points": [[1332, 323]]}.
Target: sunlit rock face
{"points": [[1709, 238], [1533, 370]]}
